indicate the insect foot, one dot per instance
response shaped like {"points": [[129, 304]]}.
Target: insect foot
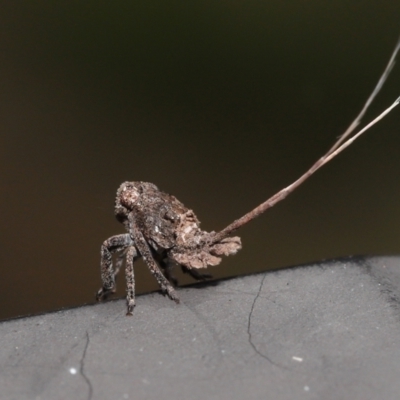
{"points": [[130, 307], [102, 294], [171, 292]]}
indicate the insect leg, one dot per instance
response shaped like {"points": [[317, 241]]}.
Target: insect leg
{"points": [[131, 256], [145, 252], [109, 246]]}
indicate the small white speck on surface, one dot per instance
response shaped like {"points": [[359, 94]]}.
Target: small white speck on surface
{"points": [[16, 347], [73, 371], [145, 381], [125, 396], [298, 359], [306, 389], [223, 351], [141, 349], [160, 362], [194, 339]]}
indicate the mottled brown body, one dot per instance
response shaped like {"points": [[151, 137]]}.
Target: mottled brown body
{"points": [[164, 233]]}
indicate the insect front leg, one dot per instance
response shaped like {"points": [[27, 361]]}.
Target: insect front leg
{"points": [[110, 246], [145, 252]]}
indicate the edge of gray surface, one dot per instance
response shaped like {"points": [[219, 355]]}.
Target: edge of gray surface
{"points": [[329, 330]]}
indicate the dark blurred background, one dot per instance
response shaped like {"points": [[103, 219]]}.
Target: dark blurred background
{"points": [[221, 103]]}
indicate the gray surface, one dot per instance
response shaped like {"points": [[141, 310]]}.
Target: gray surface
{"points": [[326, 331]]}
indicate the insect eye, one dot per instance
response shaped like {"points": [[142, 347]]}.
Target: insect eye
{"points": [[129, 196], [170, 216]]}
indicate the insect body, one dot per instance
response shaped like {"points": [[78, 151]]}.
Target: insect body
{"points": [[164, 233]]}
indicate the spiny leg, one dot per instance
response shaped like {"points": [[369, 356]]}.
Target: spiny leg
{"points": [[145, 252], [131, 256], [109, 246]]}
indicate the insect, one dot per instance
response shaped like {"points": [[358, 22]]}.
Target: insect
{"points": [[165, 233]]}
